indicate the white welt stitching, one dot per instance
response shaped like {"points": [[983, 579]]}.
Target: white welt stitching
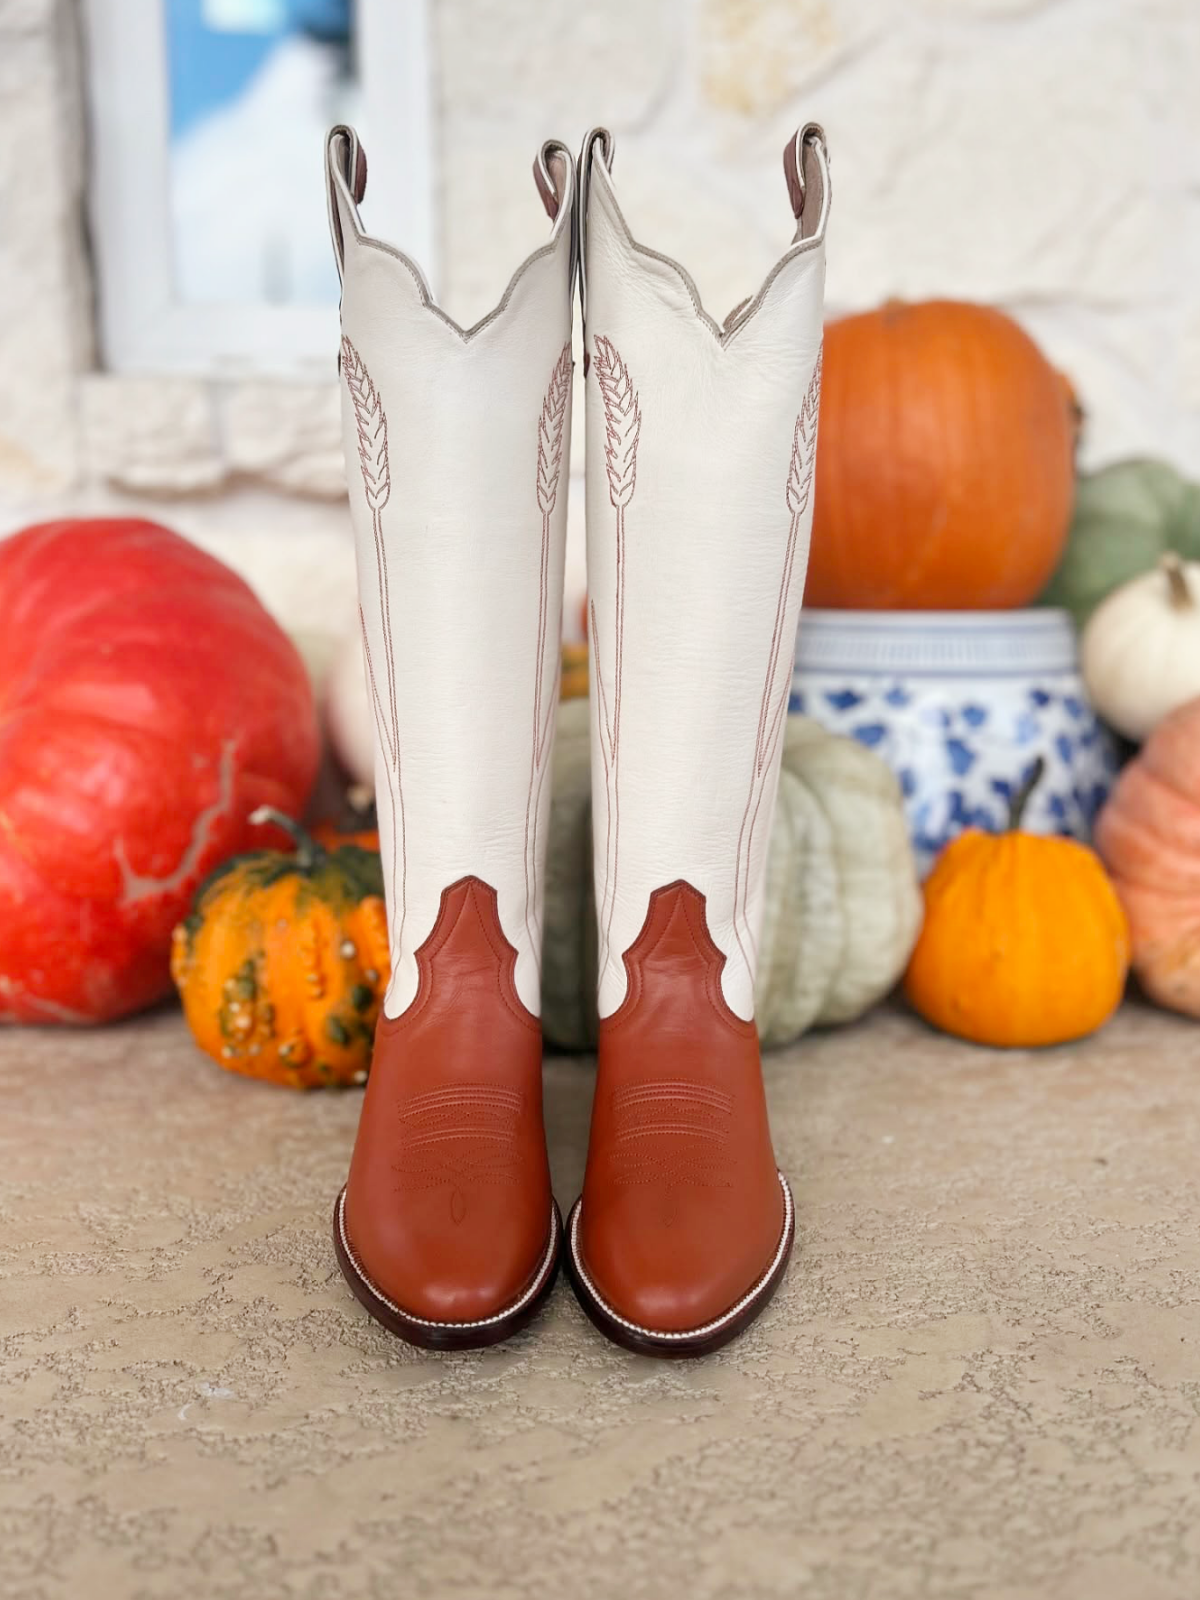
{"points": [[708, 1327], [424, 1322]]}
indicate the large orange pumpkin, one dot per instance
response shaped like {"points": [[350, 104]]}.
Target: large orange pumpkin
{"points": [[945, 472], [1149, 838]]}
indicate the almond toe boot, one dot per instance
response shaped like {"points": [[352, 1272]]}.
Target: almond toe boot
{"points": [[456, 445], [701, 447]]}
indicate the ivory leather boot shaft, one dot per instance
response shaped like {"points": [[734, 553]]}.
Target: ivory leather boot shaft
{"points": [[701, 446], [456, 445]]}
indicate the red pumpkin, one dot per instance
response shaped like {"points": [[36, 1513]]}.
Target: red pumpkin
{"points": [[945, 472], [148, 704]]}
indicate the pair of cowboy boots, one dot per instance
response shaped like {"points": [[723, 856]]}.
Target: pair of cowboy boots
{"points": [[701, 440]]}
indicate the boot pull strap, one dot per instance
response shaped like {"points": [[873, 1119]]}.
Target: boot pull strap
{"points": [[551, 173], [554, 174], [806, 168], [598, 137], [345, 185]]}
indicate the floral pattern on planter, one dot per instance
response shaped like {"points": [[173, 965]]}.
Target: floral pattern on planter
{"points": [[960, 707]]}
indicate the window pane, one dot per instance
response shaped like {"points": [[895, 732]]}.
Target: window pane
{"points": [[253, 85]]}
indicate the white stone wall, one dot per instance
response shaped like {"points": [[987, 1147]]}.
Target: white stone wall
{"points": [[45, 331], [1042, 154]]}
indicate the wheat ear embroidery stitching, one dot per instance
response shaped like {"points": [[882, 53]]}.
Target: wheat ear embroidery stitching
{"points": [[551, 427], [370, 421], [622, 431], [775, 696]]}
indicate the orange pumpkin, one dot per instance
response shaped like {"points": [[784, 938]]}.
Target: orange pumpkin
{"points": [[1149, 837], [333, 836], [1024, 940], [283, 963], [574, 672], [945, 471]]}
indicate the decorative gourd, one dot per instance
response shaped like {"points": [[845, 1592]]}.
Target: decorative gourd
{"points": [[946, 462], [842, 901], [148, 704], [1140, 652], [1148, 836], [1127, 516], [283, 963], [1024, 941]]}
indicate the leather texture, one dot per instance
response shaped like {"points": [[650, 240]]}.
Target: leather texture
{"points": [[701, 449], [457, 442], [682, 1206], [448, 1204], [701, 442]]}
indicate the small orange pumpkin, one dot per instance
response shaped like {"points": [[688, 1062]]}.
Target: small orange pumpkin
{"points": [[574, 672], [945, 471], [333, 836], [283, 963], [1148, 835], [357, 823], [1024, 940]]}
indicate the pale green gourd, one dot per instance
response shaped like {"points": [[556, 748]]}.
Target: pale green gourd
{"points": [[1127, 517], [843, 904]]}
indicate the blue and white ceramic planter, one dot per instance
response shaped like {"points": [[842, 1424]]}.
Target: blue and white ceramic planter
{"points": [[960, 704]]}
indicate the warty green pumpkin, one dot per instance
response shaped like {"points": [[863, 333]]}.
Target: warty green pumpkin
{"points": [[843, 904], [283, 963]]}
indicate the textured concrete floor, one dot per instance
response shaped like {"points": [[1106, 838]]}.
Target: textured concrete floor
{"points": [[981, 1379]]}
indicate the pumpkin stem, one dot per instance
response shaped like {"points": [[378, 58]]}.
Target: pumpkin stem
{"points": [[1180, 591], [1016, 807], [308, 851]]}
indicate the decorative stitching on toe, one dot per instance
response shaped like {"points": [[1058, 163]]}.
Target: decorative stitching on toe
{"points": [[512, 1310], [789, 1212]]}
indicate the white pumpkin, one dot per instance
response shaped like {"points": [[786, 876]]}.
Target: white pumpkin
{"points": [[843, 905], [348, 710], [1140, 651]]}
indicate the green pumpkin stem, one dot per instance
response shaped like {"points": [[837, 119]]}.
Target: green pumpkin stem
{"points": [[1019, 801], [308, 851], [1179, 590]]}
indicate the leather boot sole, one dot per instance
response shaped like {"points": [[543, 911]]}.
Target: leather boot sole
{"points": [[687, 1342], [447, 1335]]}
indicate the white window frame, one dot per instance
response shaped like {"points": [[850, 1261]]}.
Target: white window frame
{"points": [[144, 327]]}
